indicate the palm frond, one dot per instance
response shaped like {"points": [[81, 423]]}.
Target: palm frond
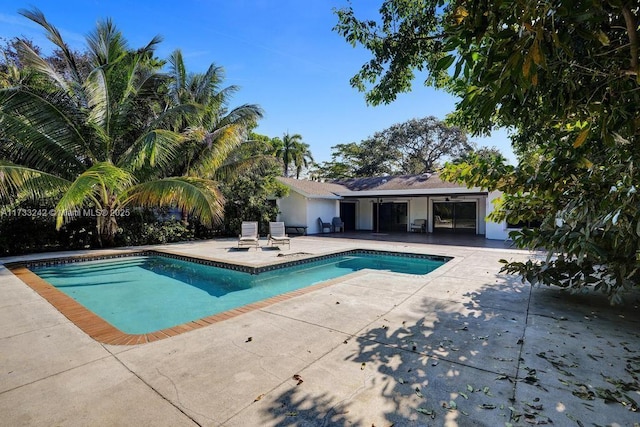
{"points": [[178, 76], [157, 148], [173, 114], [42, 128], [246, 114], [55, 37], [99, 184], [98, 98], [137, 75], [18, 181], [106, 44], [150, 47], [215, 149], [33, 60], [199, 197], [234, 168], [220, 99], [209, 83]]}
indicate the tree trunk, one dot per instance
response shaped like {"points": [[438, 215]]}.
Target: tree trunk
{"points": [[107, 226]]}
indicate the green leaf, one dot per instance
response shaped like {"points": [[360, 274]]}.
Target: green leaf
{"points": [[198, 196], [603, 38], [98, 184], [428, 412], [582, 137], [445, 62]]}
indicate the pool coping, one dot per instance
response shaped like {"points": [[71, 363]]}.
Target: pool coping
{"points": [[102, 331]]}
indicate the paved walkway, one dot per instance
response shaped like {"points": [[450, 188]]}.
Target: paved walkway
{"points": [[462, 346]]}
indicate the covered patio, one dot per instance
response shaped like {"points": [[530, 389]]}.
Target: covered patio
{"points": [[391, 204]]}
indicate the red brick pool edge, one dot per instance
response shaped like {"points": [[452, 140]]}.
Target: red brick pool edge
{"points": [[103, 332]]}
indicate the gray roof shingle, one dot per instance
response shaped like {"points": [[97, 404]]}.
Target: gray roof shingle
{"points": [[336, 188], [317, 189], [401, 182]]}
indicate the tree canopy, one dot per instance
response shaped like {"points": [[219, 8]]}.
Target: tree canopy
{"points": [[564, 75], [409, 148], [107, 129], [291, 150]]}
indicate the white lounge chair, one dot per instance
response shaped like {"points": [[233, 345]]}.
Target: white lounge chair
{"points": [[277, 236], [249, 235], [439, 220]]}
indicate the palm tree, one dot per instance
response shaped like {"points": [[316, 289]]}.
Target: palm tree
{"points": [[215, 131], [99, 139], [302, 157], [287, 150]]}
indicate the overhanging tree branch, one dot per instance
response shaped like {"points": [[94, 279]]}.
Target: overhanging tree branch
{"points": [[632, 25]]}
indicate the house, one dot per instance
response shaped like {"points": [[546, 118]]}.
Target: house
{"points": [[390, 204]]}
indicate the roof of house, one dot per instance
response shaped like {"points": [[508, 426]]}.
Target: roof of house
{"points": [[401, 182], [375, 186], [314, 189]]}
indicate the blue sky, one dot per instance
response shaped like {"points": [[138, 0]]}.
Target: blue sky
{"points": [[281, 53]]}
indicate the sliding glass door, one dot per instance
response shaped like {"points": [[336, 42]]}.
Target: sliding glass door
{"points": [[389, 217], [459, 217]]}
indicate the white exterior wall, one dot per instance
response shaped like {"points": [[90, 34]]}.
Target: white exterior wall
{"points": [[293, 209], [482, 216], [296, 209], [364, 215], [418, 209], [495, 231], [322, 208]]}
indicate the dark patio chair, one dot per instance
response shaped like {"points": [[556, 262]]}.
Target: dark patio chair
{"points": [[337, 224], [324, 225]]}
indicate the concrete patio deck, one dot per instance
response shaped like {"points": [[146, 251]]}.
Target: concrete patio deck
{"points": [[462, 346]]}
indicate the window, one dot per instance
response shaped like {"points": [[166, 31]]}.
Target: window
{"points": [[459, 217]]}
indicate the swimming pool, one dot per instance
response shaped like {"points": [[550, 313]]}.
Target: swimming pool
{"points": [[142, 294]]}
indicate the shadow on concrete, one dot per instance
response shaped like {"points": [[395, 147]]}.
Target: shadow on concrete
{"points": [[481, 358], [420, 364], [296, 408]]}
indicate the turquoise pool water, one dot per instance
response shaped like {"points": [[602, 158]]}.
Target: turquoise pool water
{"points": [[142, 294]]}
